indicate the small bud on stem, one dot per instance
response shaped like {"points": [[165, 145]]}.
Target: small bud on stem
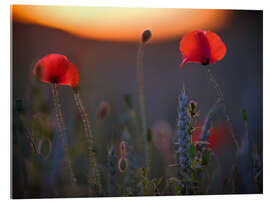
{"points": [[147, 34]]}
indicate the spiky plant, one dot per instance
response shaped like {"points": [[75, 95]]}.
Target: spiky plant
{"points": [[183, 138]]}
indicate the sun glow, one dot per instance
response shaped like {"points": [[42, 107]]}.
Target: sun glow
{"points": [[120, 24]]}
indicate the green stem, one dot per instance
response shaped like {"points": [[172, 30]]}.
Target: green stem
{"points": [[221, 99], [142, 106], [62, 132], [90, 137]]}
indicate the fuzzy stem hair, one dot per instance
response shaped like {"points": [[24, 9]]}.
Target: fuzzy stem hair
{"points": [[90, 138], [62, 133]]}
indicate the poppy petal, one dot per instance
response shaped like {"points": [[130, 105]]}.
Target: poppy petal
{"points": [[195, 47], [201, 47], [55, 68], [217, 47], [71, 77]]}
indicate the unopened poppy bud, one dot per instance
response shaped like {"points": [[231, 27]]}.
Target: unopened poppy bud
{"points": [[192, 108], [193, 105], [103, 110], [122, 164], [147, 34]]}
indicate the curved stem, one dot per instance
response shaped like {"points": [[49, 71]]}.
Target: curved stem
{"points": [[62, 132], [221, 99], [142, 106], [90, 137]]}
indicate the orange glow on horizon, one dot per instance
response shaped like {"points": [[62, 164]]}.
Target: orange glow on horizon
{"points": [[120, 24]]}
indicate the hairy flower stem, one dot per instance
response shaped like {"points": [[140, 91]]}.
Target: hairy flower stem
{"points": [[62, 132], [90, 137], [142, 105], [221, 100]]}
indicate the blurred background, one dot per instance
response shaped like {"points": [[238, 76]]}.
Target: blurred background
{"points": [[102, 42]]}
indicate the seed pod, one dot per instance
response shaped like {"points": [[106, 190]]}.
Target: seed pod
{"points": [[147, 34]]}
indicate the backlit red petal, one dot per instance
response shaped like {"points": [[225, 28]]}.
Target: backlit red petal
{"points": [[55, 68], [217, 47], [201, 47]]}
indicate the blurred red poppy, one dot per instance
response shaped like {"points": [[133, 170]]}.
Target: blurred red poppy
{"points": [[203, 47], [218, 139], [55, 68]]}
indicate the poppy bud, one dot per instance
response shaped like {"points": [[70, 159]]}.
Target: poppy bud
{"points": [[103, 110], [147, 34], [193, 105], [122, 164]]}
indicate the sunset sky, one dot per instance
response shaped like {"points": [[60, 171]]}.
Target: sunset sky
{"points": [[120, 24]]}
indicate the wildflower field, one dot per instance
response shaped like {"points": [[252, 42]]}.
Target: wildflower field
{"points": [[145, 102]]}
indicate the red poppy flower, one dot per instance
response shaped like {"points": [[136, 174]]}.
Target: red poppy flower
{"points": [[219, 137], [55, 68], [203, 47]]}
